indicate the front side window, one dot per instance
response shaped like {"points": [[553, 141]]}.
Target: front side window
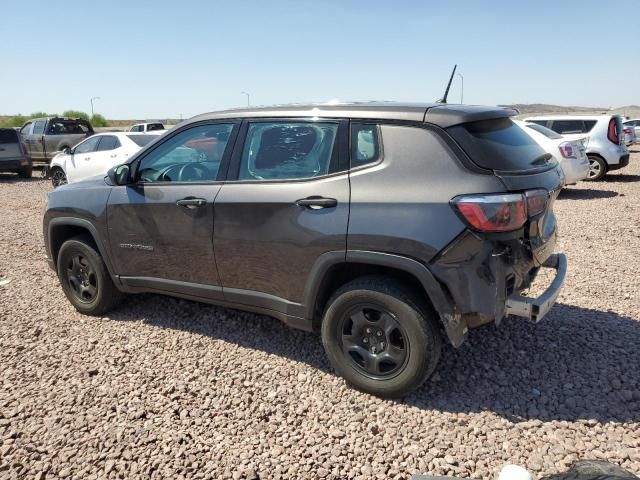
{"points": [[193, 155], [108, 142], [25, 130], [38, 127], [547, 132], [88, 146], [364, 144], [287, 151]]}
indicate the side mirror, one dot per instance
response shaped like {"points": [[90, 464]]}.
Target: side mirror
{"points": [[119, 175], [67, 150]]}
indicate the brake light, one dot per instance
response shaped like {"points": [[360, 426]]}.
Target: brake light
{"points": [[567, 150], [501, 212], [612, 135], [627, 130]]}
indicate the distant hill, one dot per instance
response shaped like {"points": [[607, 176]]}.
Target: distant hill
{"points": [[546, 109]]}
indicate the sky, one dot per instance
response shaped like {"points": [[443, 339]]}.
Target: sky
{"points": [[172, 59]]}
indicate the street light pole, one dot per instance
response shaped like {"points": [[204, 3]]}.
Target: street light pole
{"points": [[92, 99], [462, 89], [248, 102]]}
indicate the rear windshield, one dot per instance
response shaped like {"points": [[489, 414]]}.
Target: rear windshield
{"points": [[154, 126], [547, 132], [8, 135], [142, 140], [500, 144]]}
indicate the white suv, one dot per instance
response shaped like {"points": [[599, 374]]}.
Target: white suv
{"points": [[604, 139]]}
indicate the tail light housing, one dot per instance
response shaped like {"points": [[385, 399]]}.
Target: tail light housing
{"points": [[567, 150], [612, 132], [500, 212]]}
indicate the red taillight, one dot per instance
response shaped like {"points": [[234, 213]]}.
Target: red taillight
{"points": [[501, 213], [627, 130], [612, 133], [567, 150]]}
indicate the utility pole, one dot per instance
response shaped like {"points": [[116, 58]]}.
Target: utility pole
{"points": [[92, 99], [248, 102]]}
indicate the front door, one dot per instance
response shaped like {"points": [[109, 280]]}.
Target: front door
{"points": [[286, 202], [161, 226]]}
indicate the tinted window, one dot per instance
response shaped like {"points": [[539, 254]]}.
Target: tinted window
{"points": [[87, 146], [538, 122], [287, 150], [142, 140], [547, 132], [588, 125], [192, 155], [364, 145], [108, 142], [8, 135], [567, 126], [66, 127], [38, 127], [499, 144], [154, 126]]}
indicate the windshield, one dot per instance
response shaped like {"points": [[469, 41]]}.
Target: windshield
{"points": [[500, 144], [142, 140], [547, 132]]}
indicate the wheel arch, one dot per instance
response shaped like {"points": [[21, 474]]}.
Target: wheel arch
{"points": [[61, 229], [334, 269]]}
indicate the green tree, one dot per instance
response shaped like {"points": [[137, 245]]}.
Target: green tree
{"points": [[15, 121], [99, 121], [75, 114], [41, 114]]}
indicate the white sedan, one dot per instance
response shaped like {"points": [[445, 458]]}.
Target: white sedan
{"points": [[96, 155], [570, 154]]}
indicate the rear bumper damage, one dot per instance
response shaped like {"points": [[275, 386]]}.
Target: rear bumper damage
{"points": [[535, 309]]}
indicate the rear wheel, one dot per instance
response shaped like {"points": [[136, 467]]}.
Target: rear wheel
{"points": [[58, 177], [26, 172], [84, 277], [597, 168], [380, 337]]}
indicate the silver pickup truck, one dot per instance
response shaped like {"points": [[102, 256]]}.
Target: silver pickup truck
{"points": [[44, 138]]}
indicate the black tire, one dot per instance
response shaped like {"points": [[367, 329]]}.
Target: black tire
{"points": [[597, 168], [79, 260], [26, 172], [58, 177], [412, 320]]}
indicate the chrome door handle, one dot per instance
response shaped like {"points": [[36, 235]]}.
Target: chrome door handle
{"points": [[191, 202], [316, 202]]}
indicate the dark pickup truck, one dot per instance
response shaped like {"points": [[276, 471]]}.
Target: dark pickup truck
{"points": [[44, 138]]}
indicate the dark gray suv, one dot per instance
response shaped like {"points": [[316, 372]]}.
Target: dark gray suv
{"points": [[384, 226]]}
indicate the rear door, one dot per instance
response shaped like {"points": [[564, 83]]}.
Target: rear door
{"points": [[161, 225], [9, 144], [285, 203], [35, 140]]}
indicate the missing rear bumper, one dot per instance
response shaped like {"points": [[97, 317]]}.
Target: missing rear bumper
{"points": [[535, 309]]}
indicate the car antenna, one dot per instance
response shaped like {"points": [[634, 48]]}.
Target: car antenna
{"points": [[446, 92]]}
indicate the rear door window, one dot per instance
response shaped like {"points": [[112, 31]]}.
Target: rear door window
{"points": [[588, 125], [8, 135], [108, 142], [568, 127], [154, 126], [499, 144]]}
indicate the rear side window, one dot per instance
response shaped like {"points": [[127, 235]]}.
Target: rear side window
{"points": [[500, 144], [8, 135], [588, 125], [547, 132], [287, 151], [568, 127], [142, 140], [154, 126], [108, 142], [67, 127], [365, 148]]}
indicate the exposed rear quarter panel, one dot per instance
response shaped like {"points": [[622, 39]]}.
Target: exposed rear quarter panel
{"points": [[401, 205]]}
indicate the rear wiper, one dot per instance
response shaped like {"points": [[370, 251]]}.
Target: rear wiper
{"points": [[542, 159]]}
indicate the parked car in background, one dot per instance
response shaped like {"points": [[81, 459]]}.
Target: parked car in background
{"points": [[44, 138], [630, 134], [383, 226], [95, 155], [604, 139], [12, 155], [146, 127], [635, 124], [570, 154]]}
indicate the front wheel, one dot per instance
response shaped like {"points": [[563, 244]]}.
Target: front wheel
{"points": [[597, 168], [380, 337], [84, 277], [58, 177]]}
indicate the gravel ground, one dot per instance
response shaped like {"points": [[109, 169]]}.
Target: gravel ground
{"points": [[164, 388]]}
